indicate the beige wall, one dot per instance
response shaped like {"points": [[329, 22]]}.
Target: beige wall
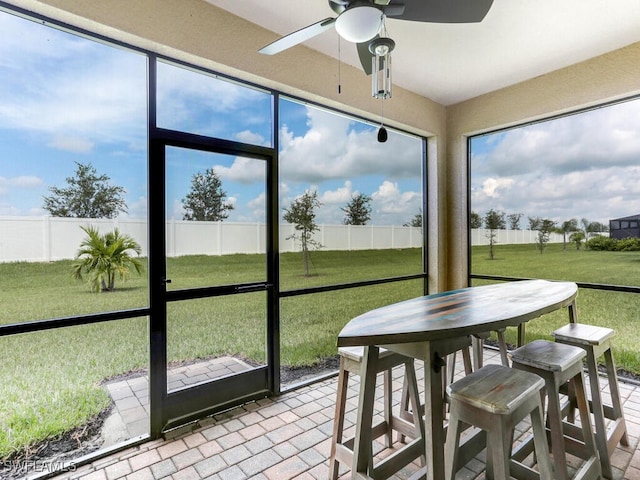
{"points": [[606, 78], [195, 31]]}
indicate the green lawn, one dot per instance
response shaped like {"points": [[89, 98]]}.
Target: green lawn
{"points": [[620, 311], [50, 380]]}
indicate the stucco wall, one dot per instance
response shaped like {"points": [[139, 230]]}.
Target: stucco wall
{"points": [[602, 79]]}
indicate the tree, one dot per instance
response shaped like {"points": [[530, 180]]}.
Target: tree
{"points": [[358, 210], [567, 227], [416, 221], [102, 257], [589, 228], [206, 199], [475, 221], [88, 195], [534, 223], [493, 220], [514, 220], [301, 213], [577, 237], [544, 227]]}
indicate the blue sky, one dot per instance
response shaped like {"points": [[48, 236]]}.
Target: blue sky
{"points": [[65, 99]]}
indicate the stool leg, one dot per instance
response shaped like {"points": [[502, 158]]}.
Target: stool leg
{"points": [[583, 409], [616, 403], [338, 422], [522, 338], [598, 414], [410, 398], [404, 405], [503, 348], [466, 359], [499, 438], [554, 415], [414, 397], [362, 454], [452, 444], [477, 347], [540, 444], [387, 398], [451, 367]]}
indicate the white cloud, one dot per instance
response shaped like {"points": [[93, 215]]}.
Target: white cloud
{"points": [[333, 149], [177, 210], [393, 205], [8, 209], [493, 187], [244, 170], [71, 144], [59, 84], [579, 166], [138, 208], [258, 203], [339, 196], [22, 182], [247, 136], [257, 208]]}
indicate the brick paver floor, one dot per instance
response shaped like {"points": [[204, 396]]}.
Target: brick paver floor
{"points": [[289, 437], [130, 414]]}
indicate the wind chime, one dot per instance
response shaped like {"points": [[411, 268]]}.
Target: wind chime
{"points": [[381, 48]]}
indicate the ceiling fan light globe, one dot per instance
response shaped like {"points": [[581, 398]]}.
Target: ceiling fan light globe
{"points": [[359, 24], [381, 50]]}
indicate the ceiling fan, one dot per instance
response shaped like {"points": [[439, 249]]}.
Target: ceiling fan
{"points": [[359, 21]]}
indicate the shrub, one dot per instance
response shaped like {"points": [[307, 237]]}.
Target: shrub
{"points": [[600, 243], [628, 245], [103, 256]]}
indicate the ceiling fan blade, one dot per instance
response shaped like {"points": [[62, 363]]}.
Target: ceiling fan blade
{"points": [[393, 9], [298, 36], [365, 56], [446, 11]]}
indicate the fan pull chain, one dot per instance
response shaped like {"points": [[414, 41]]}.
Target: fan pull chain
{"points": [[339, 66]]}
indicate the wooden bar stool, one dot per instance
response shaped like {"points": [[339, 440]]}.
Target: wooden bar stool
{"points": [[351, 359], [596, 341], [495, 399], [559, 364]]}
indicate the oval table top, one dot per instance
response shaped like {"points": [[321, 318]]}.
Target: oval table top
{"points": [[456, 313]]}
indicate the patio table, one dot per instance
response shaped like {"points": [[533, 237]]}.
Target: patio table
{"points": [[429, 328]]}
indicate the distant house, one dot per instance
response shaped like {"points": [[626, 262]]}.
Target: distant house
{"points": [[625, 227]]}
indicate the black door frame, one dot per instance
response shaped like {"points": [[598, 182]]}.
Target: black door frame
{"points": [[170, 409]]}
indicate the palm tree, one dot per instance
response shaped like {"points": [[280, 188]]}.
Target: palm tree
{"points": [[103, 256], [567, 227]]}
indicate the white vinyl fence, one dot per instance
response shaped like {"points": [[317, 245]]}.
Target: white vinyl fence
{"points": [[44, 239], [480, 236]]}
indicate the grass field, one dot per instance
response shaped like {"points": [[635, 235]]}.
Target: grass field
{"points": [[617, 310], [50, 380]]}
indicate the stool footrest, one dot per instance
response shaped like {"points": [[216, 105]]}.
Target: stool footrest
{"points": [[523, 472], [616, 433], [394, 462], [574, 443]]}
